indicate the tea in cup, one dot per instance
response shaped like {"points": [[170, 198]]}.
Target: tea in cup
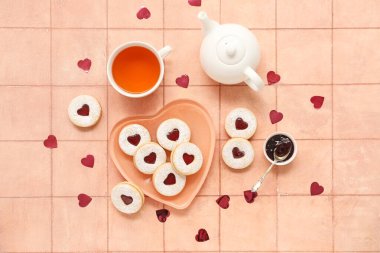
{"points": [[136, 69]]}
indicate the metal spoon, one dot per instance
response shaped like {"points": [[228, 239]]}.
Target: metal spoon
{"points": [[277, 159]]}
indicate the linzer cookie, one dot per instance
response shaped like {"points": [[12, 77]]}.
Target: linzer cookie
{"points": [[186, 158], [132, 137], [240, 123], [172, 132], [167, 181], [238, 153], [84, 111], [127, 198], [148, 157]]}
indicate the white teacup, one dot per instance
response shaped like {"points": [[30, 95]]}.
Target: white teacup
{"points": [[160, 55]]}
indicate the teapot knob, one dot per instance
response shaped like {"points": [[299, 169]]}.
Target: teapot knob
{"points": [[231, 49]]}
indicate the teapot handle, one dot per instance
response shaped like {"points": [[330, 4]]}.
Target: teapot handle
{"points": [[253, 80]]}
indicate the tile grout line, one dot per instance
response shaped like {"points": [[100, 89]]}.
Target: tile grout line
{"points": [[276, 49], [219, 148], [51, 131], [107, 127], [163, 104], [332, 128]]}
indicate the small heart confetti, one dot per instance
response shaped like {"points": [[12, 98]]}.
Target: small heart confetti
{"points": [[223, 201], [202, 235], [195, 2], [273, 78], [85, 64], [84, 200], [143, 13], [250, 196], [88, 161], [50, 142], [317, 101], [162, 214], [183, 81], [275, 116], [316, 189]]}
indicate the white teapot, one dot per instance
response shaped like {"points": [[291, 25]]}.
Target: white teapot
{"points": [[229, 53]]}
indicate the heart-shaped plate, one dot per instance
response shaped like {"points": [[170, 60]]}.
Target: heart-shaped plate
{"points": [[202, 134]]}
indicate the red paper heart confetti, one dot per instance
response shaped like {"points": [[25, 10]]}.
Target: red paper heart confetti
{"points": [[183, 81], [187, 158], [202, 235], [250, 196], [84, 200], [316, 189], [237, 153], [223, 201], [143, 13], [84, 110], [134, 139], [88, 161], [84, 64], [151, 158], [170, 179], [195, 2], [50, 142], [273, 78], [173, 135], [317, 101], [162, 214], [275, 116]]}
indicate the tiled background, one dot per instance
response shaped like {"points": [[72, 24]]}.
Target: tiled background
{"points": [[319, 47]]}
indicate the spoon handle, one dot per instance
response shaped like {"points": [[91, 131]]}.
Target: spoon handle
{"points": [[259, 182]]}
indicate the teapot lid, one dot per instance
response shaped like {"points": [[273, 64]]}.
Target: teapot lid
{"points": [[230, 49]]}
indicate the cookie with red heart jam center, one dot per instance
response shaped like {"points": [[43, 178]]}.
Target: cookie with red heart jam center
{"points": [[240, 123], [127, 198], [238, 153], [132, 137], [148, 157], [167, 181], [172, 132], [84, 111], [187, 158]]}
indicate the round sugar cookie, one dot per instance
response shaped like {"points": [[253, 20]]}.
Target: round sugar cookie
{"points": [[132, 137], [238, 153], [172, 132], [187, 158], [167, 181], [148, 157], [84, 111], [127, 198], [240, 123]]}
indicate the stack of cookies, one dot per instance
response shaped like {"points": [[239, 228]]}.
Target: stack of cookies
{"points": [[168, 178], [240, 125]]}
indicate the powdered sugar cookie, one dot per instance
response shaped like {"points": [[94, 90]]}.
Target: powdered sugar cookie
{"points": [[148, 157], [167, 181], [84, 111], [127, 198], [186, 158], [172, 132], [238, 153], [132, 137], [240, 123]]}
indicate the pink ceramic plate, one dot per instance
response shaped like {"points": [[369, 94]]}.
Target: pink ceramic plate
{"points": [[202, 134]]}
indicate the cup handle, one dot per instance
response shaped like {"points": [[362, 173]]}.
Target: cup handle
{"points": [[253, 80], [163, 52]]}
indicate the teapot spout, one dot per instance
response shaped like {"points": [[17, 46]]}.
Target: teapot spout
{"points": [[208, 24]]}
